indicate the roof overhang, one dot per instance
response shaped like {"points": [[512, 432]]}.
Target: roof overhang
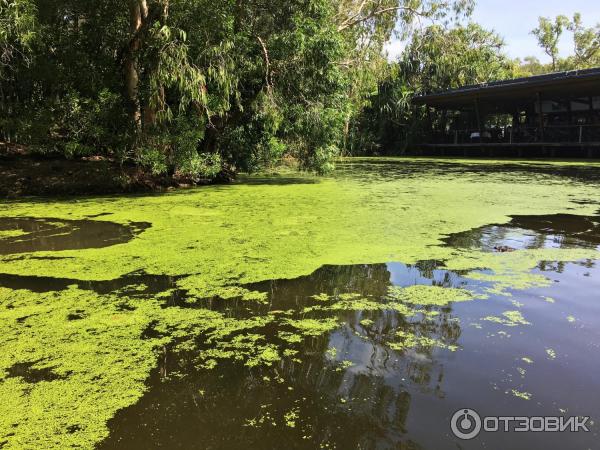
{"points": [[563, 84]]}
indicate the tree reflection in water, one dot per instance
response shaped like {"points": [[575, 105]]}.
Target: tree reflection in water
{"points": [[344, 389]]}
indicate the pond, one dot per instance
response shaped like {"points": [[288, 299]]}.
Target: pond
{"points": [[357, 310]]}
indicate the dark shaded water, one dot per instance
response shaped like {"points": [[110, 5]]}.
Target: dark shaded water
{"points": [[387, 399], [37, 235], [368, 168]]}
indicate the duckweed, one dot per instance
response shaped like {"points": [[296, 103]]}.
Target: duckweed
{"points": [[213, 241], [429, 295], [4, 234], [521, 395], [407, 340], [509, 319], [313, 327]]}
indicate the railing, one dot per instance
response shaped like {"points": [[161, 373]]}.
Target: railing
{"points": [[567, 134]]}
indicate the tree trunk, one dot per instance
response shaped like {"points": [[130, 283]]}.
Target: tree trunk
{"points": [[149, 109], [138, 12], [345, 149]]}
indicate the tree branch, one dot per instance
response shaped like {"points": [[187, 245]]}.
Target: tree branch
{"points": [[267, 63], [355, 20]]}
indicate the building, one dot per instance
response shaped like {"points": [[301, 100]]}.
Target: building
{"points": [[548, 115]]}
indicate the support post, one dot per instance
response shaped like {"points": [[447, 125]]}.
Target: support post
{"points": [[479, 125], [541, 121], [540, 117]]}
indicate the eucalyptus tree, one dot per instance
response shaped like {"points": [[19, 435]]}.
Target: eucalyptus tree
{"points": [[367, 25], [17, 31], [197, 86], [436, 58], [586, 43], [548, 34]]}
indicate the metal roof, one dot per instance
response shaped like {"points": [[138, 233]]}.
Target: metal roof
{"points": [[572, 83]]}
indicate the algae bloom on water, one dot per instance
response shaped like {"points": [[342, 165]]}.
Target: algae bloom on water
{"points": [[311, 311]]}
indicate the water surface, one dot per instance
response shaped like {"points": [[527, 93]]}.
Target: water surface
{"points": [[357, 311]]}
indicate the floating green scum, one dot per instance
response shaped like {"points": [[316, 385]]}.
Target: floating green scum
{"points": [[71, 358]]}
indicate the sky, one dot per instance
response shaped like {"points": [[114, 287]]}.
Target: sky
{"points": [[514, 20]]}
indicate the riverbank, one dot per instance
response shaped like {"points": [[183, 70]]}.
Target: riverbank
{"points": [[23, 174]]}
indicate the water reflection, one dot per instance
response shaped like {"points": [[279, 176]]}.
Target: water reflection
{"points": [[131, 285], [28, 234], [347, 388], [343, 389], [390, 170], [532, 232]]}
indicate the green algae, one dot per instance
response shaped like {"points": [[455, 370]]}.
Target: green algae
{"points": [[509, 319], [520, 394], [95, 357], [335, 221], [321, 297], [4, 234], [343, 365], [217, 238], [291, 417], [429, 295], [551, 353], [313, 327], [514, 270], [244, 294], [289, 337], [407, 301], [408, 340]]}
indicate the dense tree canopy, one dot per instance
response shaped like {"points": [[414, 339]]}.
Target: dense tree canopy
{"points": [[443, 56], [195, 86], [203, 88], [435, 59]]}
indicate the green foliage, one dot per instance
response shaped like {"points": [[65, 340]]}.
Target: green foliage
{"points": [[586, 43], [530, 66], [436, 58], [586, 46], [17, 31], [186, 86], [548, 34]]}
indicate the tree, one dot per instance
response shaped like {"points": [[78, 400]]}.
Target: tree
{"points": [[586, 43], [530, 66], [436, 58], [367, 25], [17, 31], [548, 34], [198, 87]]}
